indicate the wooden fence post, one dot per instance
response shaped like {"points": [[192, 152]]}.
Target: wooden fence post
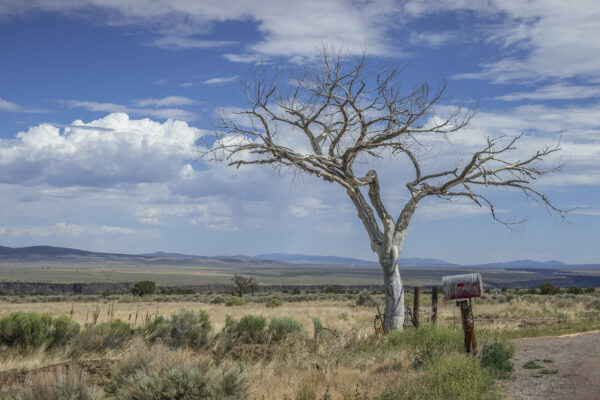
{"points": [[434, 304], [417, 304], [468, 326]]}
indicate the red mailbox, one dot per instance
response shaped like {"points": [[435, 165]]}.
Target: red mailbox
{"points": [[462, 286]]}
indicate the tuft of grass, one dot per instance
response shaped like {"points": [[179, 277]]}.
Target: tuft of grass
{"points": [[495, 357], [532, 365], [547, 371], [97, 338], [60, 386], [429, 336]]}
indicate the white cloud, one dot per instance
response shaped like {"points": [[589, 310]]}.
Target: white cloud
{"points": [[557, 39], [216, 81], [288, 28], [121, 150], [431, 39], [246, 58], [168, 101], [67, 229], [211, 212], [179, 42], [9, 106], [165, 113], [560, 91]]}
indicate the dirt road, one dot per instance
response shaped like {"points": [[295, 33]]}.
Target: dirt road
{"points": [[564, 367]]}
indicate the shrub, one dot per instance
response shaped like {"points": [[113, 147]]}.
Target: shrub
{"points": [[59, 387], [233, 301], [282, 328], [64, 330], [296, 290], [365, 299], [251, 329], [574, 290], [274, 303], [25, 329], [187, 328], [32, 329], [495, 357], [143, 288], [548, 288], [107, 335], [333, 290], [166, 382], [589, 290], [218, 299], [162, 375]]}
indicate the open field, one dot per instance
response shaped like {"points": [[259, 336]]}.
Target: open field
{"points": [[346, 360], [220, 272]]}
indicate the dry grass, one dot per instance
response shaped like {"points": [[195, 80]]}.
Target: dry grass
{"points": [[297, 370], [336, 314]]}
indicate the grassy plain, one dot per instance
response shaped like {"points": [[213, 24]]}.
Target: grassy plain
{"points": [[346, 360], [202, 273]]}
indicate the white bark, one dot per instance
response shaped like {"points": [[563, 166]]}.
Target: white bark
{"points": [[394, 292]]}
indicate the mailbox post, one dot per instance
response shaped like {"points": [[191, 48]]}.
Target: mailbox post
{"points": [[463, 288]]}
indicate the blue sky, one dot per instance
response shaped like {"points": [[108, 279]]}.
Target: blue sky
{"points": [[102, 104]]}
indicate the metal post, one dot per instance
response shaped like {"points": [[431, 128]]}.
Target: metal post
{"points": [[417, 304], [468, 326], [434, 304]]}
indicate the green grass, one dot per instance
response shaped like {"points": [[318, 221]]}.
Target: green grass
{"points": [[532, 365], [547, 371]]}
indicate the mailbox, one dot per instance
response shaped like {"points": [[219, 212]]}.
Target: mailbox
{"points": [[462, 286]]}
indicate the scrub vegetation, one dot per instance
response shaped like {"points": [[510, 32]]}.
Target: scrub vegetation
{"points": [[308, 346]]}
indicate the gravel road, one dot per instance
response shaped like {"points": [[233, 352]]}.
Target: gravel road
{"points": [[575, 358]]}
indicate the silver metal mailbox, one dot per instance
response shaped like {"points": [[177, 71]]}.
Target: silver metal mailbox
{"points": [[462, 286]]}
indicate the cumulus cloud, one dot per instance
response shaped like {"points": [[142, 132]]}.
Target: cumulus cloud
{"points": [[121, 150], [164, 113]]}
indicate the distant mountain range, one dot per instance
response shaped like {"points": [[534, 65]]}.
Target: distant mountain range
{"points": [[50, 253]]}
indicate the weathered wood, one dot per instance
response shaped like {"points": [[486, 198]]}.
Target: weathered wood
{"points": [[468, 326], [417, 304], [434, 304]]}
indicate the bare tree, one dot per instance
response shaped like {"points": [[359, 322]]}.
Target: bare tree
{"points": [[241, 284], [341, 114]]}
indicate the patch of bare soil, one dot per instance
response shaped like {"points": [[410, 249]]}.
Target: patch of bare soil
{"points": [[564, 367], [15, 378]]}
